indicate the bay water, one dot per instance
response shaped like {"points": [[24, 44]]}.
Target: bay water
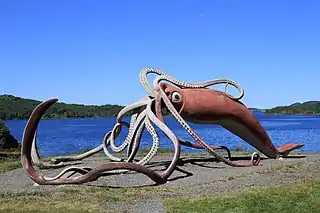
{"points": [[65, 136]]}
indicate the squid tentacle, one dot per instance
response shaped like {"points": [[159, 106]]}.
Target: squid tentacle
{"points": [[163, 76], [36, 157], [106, 142], [60, 159], [115, 133], [155, 145], [136, 106], [88, 174], [97, 149]]}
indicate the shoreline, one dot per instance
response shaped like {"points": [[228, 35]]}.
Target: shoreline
{"points": [[301, 114], [106, 117], [144, 150], [22, 108]]}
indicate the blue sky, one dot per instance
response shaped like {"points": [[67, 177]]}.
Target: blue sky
{"points": [[91, 52]]}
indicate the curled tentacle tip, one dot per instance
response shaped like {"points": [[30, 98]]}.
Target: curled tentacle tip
{"points": [[56, 160], [225, 87], [36, 184], [157, 83], [53, 99], [255, 162], [280, 158]]}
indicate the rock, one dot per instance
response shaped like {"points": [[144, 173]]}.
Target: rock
{"points": [[7, 141]]}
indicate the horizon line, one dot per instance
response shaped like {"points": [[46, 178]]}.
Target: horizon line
{"points": [[114, 104]]}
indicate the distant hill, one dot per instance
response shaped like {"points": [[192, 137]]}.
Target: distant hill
{"points": [[305, 103], [308, 107], [257, 110], [12, 107]]}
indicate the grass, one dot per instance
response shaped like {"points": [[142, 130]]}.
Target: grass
{"points": [[300, 198], [160, 150], [62, 200], [239, 176], [74, 199], [8, 164], [285, 168]]}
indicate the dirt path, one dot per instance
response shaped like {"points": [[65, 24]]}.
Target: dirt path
{"points": [[197, 175]]}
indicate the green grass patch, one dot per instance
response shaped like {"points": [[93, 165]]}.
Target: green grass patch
{"points": [[302, 198], [77, 199], [8, 164], [284, 168], [239, 176], [58, 200], [160, 150]]}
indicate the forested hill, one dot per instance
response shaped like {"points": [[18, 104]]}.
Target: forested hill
{"points": [[309, 107], [12, 107]]}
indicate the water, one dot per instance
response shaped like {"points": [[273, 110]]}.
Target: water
{"points": [[73, 135]]}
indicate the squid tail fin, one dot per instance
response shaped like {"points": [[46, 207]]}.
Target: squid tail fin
{"points": [[285, 149]]}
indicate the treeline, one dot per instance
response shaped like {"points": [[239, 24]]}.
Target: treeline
{"points": [[12, 107], [4, 131], [310, 107], [7, 141]]}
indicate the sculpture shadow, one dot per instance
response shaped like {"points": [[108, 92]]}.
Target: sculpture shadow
{"points": [[295, 156], [198, 161], [186, 174], [183, 161]]}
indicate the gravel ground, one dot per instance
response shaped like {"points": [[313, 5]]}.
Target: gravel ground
{"points": [[197, 175]]}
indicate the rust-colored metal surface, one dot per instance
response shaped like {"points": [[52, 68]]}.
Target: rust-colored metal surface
{"points": [[211, 106], [193, 102]]}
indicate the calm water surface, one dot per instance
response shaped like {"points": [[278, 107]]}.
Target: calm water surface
{"points": [[73, 135]]}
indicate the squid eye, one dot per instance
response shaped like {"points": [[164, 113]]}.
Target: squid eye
{"points": [[176, 97]]}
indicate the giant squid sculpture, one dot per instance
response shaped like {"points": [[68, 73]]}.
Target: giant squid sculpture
{"points": [[192, 102]]}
